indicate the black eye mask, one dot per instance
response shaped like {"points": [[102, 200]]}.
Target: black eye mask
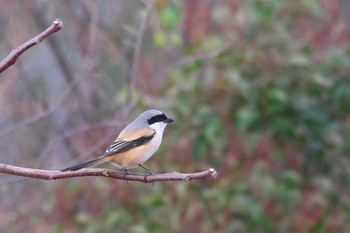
{"points": [[157, 118]]}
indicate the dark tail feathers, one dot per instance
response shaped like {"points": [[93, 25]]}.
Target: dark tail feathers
{"points": [[81, 165]]}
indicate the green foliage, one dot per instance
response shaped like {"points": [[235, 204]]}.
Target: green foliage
{"points": [[169, 19], [288, 104], [170, 16]]}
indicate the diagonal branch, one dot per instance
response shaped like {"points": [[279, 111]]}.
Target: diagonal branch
{"points": [[49, 111], [12, 57], [55, 175], [137, 51]]}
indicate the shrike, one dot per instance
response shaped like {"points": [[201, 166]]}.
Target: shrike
{"points": [[135, 144]]}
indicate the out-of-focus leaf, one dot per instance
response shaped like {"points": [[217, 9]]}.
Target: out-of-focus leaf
{"points": [[277, 100], [246, 118], [291, 179], [116, 218], [175, 39], [159, 39], [170, 16], [193, 67], [341, 101], [346, 210], [299, 60]]}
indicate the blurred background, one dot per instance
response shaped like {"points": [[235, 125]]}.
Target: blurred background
{"points": [[259, 89]]}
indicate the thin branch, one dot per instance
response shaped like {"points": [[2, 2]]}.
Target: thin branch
{"points": [[12, 57], [47, 112], [55, 175], [200, 57], [137, 50]]}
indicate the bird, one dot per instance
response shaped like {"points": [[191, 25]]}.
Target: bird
{"points": [[136, 143]]}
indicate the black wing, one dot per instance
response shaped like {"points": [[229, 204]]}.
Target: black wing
{"points": [[121, 146]]}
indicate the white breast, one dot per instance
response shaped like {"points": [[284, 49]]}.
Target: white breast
{"points": [[151, 147]]}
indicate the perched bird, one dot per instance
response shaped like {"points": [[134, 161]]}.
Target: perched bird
{"points": [[135, 144]]}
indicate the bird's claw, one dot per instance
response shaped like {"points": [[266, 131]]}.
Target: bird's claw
{"points": [[147, 175], [126, 172]]}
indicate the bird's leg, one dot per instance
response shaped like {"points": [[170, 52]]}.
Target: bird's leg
{"points": [[125, 173], [148, 173]]}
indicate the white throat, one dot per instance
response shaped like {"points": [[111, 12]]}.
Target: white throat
{"points": [[158, 127]]}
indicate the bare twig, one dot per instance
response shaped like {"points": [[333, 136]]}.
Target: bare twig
{"points": [[49, 111], [12, 57], [55, 175], [200, 57], [137, 50]]}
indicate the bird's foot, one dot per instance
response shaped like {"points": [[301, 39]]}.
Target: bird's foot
{"points": [[126, 172], [146, 177]]}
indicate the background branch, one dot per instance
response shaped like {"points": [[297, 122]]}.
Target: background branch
{"points": [[55, 175], [12, 57], [137, 49], [45, 113]]}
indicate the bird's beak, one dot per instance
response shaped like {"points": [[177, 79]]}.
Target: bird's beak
{"points": [[168, 120]]}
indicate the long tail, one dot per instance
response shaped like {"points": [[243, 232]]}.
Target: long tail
{"points": [[99, 160]]}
